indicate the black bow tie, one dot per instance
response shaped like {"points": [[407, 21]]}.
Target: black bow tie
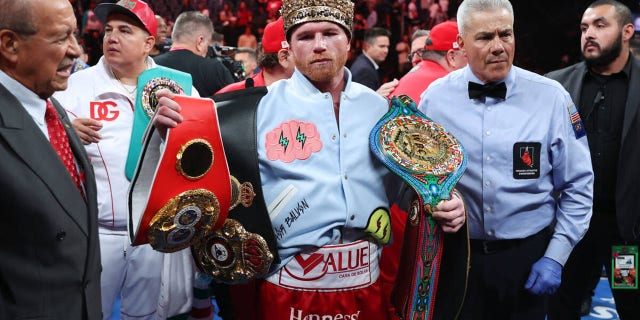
{"points": [[491, 89]]}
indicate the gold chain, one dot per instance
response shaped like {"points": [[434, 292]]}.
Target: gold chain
{"points": [[130, 92]]}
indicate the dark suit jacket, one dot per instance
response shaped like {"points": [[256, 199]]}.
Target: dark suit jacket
{"points": [[628, 192], [364, 72], [209, 75], [49, 251]]}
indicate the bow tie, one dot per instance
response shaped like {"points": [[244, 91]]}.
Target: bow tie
{"points": [[491, 89]]}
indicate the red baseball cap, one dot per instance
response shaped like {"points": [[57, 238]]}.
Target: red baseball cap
{"points": [[136, 9], [443, 37], [273, 38]]}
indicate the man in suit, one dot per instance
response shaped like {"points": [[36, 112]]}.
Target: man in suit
{"points": [[49, 253], [364, 69], [604, 87]]}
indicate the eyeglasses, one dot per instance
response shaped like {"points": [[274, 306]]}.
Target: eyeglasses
{"points": [[419, 52]]}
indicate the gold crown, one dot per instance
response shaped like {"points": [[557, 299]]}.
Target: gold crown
{"points": [[295, 12]]}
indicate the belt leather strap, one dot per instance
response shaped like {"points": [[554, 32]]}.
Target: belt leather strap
{"points": [[149, 82], [237, 111]]}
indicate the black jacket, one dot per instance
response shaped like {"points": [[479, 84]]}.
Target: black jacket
{"points": [[628, 192]]}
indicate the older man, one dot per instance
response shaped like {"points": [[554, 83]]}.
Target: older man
{"points": [[326, 194], [49, 253], [101, 101], [528, 184]]}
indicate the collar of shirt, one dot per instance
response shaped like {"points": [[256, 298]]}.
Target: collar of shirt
{"points": [[34, 105], [113, 85], [298, 79], [375, 65]]}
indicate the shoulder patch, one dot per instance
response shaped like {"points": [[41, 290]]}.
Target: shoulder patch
{"points": [[293, 140], [576, 121]]}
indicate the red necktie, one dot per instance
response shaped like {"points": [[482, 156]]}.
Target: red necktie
{"points": [[60, 143]]}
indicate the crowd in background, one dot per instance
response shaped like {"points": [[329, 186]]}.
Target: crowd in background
{"points": [[544, 32]]}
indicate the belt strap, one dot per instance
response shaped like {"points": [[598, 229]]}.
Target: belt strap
{"points": [[149, 82], [237, 111]]}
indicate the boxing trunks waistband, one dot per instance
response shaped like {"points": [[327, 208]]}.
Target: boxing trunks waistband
{"points": [[493, 246], [331, 268]]}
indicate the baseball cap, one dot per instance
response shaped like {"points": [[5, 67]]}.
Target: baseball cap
{"points": [[136, 9], [273, 38], [442, 37]]}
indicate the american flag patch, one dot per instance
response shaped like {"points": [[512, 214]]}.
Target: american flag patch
{"points": [[576, 121]]}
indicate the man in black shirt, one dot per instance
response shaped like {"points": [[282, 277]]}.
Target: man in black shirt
{"points": [[605, 89], [192, 35]]}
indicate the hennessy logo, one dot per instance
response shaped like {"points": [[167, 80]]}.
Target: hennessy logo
{"points": [[129, 4], [298, 315]]}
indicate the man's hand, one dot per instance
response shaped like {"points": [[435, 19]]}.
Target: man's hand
{"points": [[87, 130], [545, 277], [167, 112], [450, 214], [386, 88]]}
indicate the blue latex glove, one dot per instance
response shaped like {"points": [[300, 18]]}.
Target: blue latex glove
{"points": [[545, 277]]}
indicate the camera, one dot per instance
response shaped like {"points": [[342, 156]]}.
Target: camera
{"points": [[223, 54]]}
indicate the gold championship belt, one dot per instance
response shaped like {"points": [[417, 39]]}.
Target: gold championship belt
{"points": [[189, 194], [431, 161], [149, 82]]}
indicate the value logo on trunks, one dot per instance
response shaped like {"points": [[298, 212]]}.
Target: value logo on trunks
{"points": [[346, 266]]}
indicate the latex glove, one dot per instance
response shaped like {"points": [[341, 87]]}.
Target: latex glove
{"points": [[545, 277]]}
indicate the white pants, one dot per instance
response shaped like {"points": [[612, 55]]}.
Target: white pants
{"points": [[132, 273]]}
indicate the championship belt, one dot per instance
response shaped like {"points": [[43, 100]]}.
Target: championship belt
{"points": [[178, 197], [245, 247], [431, 161], [149, 82]]}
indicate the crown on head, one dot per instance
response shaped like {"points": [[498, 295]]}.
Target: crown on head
{"points": [[295, 12]]}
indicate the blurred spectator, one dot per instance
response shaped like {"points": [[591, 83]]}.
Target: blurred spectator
{"points": [[247, 39], [364, 69], [226, 18], [249, 59], [403, 49], [418, 41], [441, 55], [243, 15], [161, 38], [438, 13]]}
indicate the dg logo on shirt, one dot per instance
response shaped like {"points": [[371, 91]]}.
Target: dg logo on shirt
{"points": [[103, 110]]}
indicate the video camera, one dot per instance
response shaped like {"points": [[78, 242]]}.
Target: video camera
{"points": [[223, 54]]}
